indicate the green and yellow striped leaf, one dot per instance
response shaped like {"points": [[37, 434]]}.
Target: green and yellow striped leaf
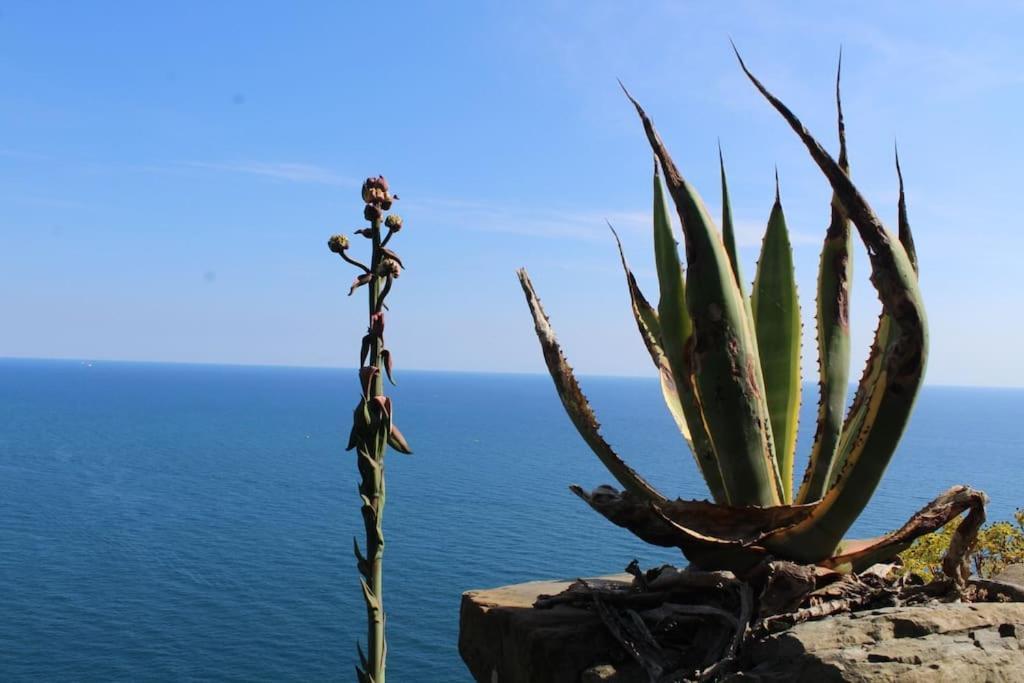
{"points": [[776, 311], [902, 364], [727, 376], [677, 338], [832, 316], [872, 370], [650, 331]]}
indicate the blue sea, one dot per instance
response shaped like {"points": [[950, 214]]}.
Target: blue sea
{"points": [[177, 522]]}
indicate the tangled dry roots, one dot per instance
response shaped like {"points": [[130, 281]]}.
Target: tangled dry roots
{"points": [[692, 625]]}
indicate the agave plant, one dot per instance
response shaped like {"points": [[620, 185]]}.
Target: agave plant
{"points": [[729, 366]]}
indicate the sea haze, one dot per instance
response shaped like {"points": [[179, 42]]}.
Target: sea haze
{"points": [[175, 522]]}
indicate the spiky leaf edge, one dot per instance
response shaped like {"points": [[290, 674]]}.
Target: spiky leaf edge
{"points": [[902, 369], [649, 325], [776, 313], [832, 318], [575, 403]]}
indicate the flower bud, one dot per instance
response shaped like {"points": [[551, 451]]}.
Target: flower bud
{"points": [[389, 268], [374, 187], [393, 222], [337, 243], [376, 196], [372, 213]]}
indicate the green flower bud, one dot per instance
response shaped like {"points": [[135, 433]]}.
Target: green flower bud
{"points": [[393, 222]]}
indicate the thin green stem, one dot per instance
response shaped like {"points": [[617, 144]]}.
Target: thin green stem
{"points": [[375, 301], [376, 648]]}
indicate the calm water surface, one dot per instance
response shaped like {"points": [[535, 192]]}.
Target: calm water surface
{"points": [[174, 522]]}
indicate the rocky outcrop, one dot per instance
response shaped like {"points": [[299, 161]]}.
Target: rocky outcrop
{"points": [[504, 640], [939, 642]]}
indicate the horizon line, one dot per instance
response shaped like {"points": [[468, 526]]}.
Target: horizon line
{"points": [[520, 373]]}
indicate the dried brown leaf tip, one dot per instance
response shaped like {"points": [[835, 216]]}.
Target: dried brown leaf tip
{"points": [[392, 255], [397, 441], [363, 279]]}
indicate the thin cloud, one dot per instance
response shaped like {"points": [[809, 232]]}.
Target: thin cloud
{"points": [[541, 222], [290, 172], [985, 65], [587, 225]]}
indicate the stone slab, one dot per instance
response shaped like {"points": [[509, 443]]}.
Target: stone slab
{"points": [[503, 639]]}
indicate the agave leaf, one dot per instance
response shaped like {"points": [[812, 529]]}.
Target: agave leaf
{"points": [[729, 240], [833, 325], [712, 536], [650, 331], [728, 231], [857, 414], [674, 318], [776, 312], [832, 315], [859, 555], [723, 522], [677, 337], [727, 376], [906, 238], [575, 403], [873, 368], [891, 398]]}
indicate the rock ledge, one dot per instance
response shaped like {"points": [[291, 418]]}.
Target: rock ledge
{"points": [[503, 639]]}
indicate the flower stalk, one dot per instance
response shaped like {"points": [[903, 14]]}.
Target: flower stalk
{"points": [[372, 427]]}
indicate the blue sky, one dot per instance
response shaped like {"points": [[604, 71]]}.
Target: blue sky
{"points": [[169, 172]]}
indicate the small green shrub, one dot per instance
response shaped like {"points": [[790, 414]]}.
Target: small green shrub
{"points": [[999, 544]]}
